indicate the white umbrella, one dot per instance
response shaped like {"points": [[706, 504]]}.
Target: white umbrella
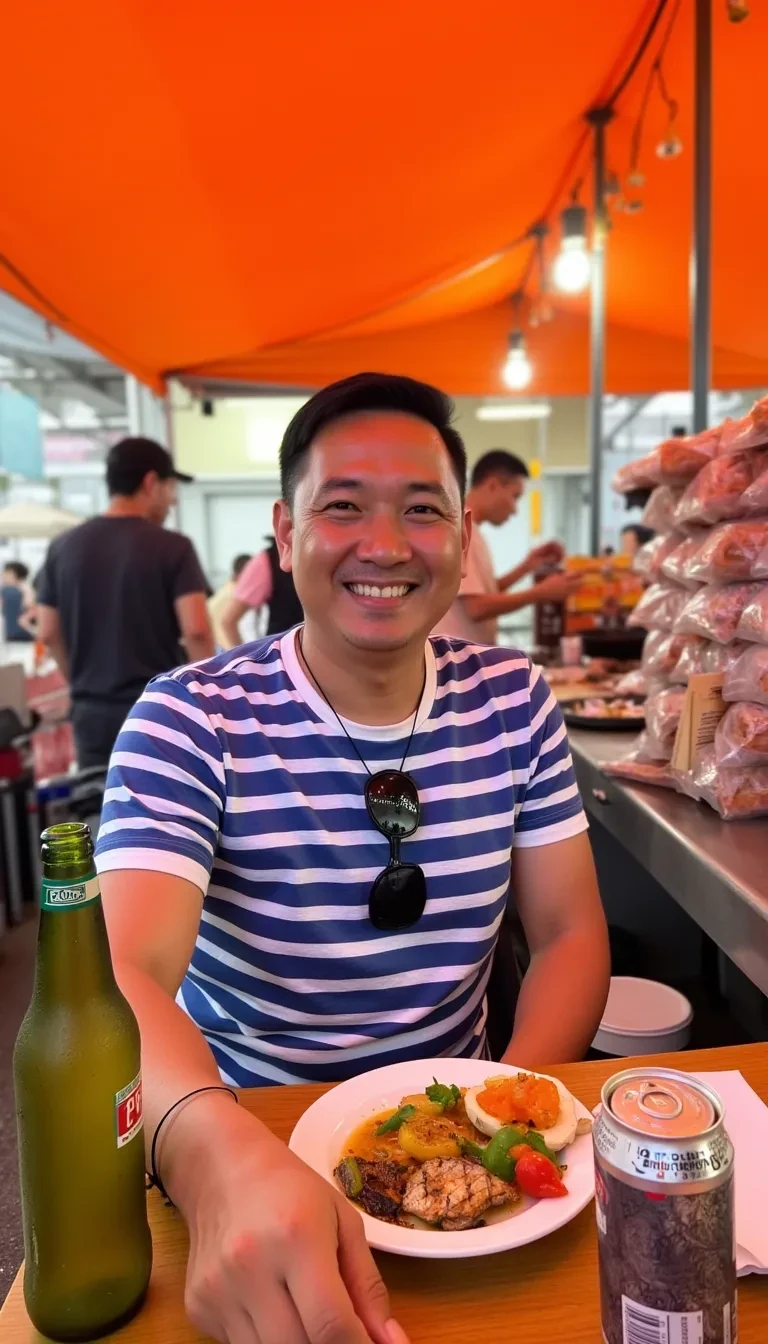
{"points": [[27, 519]]}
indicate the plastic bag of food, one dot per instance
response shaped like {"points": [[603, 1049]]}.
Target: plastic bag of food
{"points": [[732, 551], [714, 611], [753, 621], [721, 657], [736, 793], [661, 652], [717, 492], [755, 497], [659, 607], [675, 562], [691, 660], [662, 715], [648, 560], [642, 474], [660, 511], [747, 677], [751, 431], [742, 735], [681, 458], [639, 771], [637, 682]]}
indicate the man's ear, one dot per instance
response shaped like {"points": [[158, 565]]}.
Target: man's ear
{"points": [[466, 537], [282, 526]]}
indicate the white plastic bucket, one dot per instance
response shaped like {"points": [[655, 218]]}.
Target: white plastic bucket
{"points": [[643, 1017]]}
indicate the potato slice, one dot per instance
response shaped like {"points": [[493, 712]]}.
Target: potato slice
{"points": [[425, 1136], [422, 1103]]}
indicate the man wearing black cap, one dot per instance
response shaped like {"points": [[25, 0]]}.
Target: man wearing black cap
{"points": [[119, 596]]}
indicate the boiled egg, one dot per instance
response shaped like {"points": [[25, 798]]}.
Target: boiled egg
{"points": [[557, 1135]]}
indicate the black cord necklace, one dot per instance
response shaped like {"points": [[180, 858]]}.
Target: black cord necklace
{"points": [[340, 721]]}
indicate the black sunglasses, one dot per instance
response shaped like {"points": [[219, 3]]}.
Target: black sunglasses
{"points": [[399, 894]]}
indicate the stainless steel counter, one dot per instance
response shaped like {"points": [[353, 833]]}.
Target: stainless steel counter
{"points": [[717, 871]]}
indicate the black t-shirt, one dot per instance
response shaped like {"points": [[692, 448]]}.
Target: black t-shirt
{"points": [[113, 582]]}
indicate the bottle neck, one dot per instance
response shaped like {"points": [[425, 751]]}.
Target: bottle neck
{"points": [[73, 957]]}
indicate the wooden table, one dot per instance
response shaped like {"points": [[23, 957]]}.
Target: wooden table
{"points": [[540, 1294]]}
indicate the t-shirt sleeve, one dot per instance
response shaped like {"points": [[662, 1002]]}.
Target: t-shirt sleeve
{"points": [[188, 576], [549, 807], [45, 583], [254, 587], [166, 788]]}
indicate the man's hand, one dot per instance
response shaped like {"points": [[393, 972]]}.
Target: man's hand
{"points": [[277, 1256], [550, 553], [557, 587]]}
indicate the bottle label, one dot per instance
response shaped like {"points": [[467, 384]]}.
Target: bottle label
{"points": [[67, 895], [129, 1112]]}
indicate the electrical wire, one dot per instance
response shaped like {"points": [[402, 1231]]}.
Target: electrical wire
{"points": [[655, 74], [645, 42]]}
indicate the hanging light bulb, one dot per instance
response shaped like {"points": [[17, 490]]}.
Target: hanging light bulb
{"points": [[518, 370], [671, 145], [571, 269], [635, 178]]}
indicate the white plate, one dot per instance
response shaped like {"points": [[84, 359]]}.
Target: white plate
{"points": [[319, 1137]]}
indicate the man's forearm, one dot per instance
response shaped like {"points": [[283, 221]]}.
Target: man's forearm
{"points": [[58, 653], [562, 998], [177, 1060], [230, 630], [482, 606], [514, 576], [199, 647]]}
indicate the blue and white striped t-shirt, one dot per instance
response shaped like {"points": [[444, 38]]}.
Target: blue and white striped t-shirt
{"points": [[235, 774]]}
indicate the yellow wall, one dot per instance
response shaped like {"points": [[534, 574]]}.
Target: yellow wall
{"points": [[228, 442]]}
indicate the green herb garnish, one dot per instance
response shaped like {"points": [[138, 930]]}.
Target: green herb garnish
{"points": [[395, 1121], [443, 1095]]}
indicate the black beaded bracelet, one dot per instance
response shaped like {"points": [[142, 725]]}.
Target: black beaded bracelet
{"points": [[153, 1178]]}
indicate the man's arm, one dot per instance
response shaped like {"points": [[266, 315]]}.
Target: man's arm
{"points": [[550, 553], [195, 626], [229, 621], [49, 631], [565, 988], [481, 606]]}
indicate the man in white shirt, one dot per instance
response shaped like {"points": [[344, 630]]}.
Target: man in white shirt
{"points": [[497, 482]]}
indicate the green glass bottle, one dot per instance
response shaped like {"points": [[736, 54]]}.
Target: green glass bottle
{"points": [[77, 1075]]}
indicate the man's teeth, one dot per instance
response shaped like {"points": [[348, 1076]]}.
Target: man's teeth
{"points": [[370, 590]]}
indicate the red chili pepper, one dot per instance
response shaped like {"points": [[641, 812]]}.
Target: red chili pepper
{"points": [[537, 1176]]}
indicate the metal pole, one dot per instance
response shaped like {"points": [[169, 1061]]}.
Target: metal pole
{"points": [[701, 246], [598, 119]]}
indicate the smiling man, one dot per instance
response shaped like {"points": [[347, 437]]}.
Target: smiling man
{"points": [[305, 856]]}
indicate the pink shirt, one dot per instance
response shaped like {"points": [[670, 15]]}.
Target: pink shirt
{"points": [[478, 580], [254, 587]]}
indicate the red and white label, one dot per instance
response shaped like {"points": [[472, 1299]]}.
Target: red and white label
{"points": [[129, 1114]]}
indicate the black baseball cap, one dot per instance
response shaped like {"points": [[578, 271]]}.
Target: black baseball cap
{"points": [[129, 461]]}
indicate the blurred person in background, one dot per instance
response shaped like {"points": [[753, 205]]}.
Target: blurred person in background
{"points": [[120, 599], [262, 584], [633, 536], [497, 482], [218, 603], [17, 602]]}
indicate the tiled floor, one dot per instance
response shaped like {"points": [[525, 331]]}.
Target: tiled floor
{"points": [[17, 959]]}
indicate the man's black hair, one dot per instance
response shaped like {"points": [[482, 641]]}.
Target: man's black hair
{"points": [[498, 462], [642, 533], [16, 567], [238, 565], [368, 392]]}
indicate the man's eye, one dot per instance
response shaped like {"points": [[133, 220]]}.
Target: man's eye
{"points": [[344, 504], [424, 509]]}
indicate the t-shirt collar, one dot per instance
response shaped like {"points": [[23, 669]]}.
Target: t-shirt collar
{"points": [[372, 732]]}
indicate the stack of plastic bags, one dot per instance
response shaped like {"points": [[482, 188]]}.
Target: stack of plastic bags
{"points": [[706, 608]]}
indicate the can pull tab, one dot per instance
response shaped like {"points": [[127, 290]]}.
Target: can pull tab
{"points": [[657, 1100]]}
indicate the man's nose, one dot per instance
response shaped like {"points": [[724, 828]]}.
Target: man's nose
{"points": [[385, 541]]}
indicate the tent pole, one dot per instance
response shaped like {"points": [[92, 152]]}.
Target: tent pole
{"points": [[598, 119], [701, 246]]}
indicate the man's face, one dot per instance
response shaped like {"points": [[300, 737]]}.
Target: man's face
{"points": [[501, 494], [162, 497], [376, 535], [9, 577]]}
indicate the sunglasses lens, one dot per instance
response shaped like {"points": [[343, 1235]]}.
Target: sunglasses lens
{"points": [[393, 802], [398, 897]]}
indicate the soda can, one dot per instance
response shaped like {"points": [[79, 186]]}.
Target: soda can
{"points": [[664, 1206]]}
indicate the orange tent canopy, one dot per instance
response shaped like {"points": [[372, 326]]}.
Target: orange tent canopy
{"points": [[287, 193]]}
